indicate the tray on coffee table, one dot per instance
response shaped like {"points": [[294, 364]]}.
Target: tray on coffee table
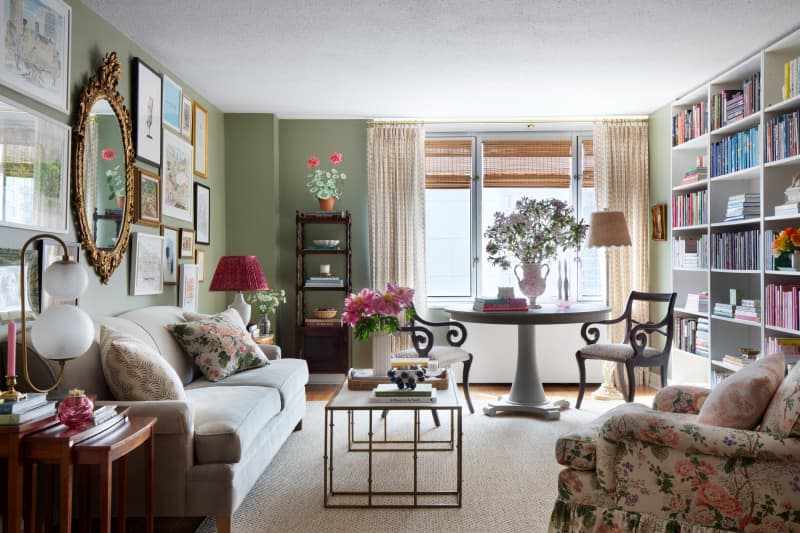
{"points": [[362, 379]]}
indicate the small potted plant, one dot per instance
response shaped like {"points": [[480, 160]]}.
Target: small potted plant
{"points": [[324, 184], [266, 302], [115, 179]]}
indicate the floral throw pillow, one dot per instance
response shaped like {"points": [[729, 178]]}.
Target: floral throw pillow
{"points": [[740, 400], [783, 413], [218, 346]]}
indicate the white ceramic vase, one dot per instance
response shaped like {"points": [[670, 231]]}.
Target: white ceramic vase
{"points": [[381, 354], [532, 283], [795, 257]]}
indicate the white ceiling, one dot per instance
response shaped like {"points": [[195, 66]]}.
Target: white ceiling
{"points": [[450, 59]]}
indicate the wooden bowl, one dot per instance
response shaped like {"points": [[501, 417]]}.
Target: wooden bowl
{"points": [[324, 313]]}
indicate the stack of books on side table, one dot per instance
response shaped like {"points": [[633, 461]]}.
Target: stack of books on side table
{"points": [[323, 281], [33, 408], [487, 305], [388, 392]]}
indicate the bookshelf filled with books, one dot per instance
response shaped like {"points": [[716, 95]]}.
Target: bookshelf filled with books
{"points": [[735, 169]]}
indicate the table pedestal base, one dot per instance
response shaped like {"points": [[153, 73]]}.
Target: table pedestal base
{"points": [[550, 409]]}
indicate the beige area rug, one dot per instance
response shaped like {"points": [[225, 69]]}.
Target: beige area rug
{"points": [[510, 476]]}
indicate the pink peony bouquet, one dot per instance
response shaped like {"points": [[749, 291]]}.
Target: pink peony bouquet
{"points": [[370, 311]]}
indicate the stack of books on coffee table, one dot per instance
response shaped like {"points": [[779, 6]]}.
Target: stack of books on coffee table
{"points": [[388, 392]]}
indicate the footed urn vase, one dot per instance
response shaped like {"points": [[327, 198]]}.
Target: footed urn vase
{"points": [[533, 282]]}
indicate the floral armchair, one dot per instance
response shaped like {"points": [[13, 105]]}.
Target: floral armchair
{"points": [[641, 469]]}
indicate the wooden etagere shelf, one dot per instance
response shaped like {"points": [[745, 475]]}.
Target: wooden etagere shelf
{"points": [[733, 118], [325, 346]]}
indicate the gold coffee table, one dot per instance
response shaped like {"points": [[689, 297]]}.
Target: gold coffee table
{"points": [[357, 402]]}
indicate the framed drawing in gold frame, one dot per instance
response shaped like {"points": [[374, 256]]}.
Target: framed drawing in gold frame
{"points": [[147, 198], [658, 220]]}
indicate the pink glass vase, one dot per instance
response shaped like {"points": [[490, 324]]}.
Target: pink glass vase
{"points": [[76, 410]]}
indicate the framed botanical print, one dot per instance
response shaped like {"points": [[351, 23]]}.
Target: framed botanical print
{"points": [[176, 177], [200, 140], [146, 273], [188, 289], [171, 102], [169, 259], [146, 113], [50, 252], [200, 261], [147, 198], [186, 117], [187, 243], [9, 284], [202, 214], [34, 184], [36, 49]]}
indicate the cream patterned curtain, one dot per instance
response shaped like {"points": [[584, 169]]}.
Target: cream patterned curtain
{"points": [[622, 184], [396, 192]]}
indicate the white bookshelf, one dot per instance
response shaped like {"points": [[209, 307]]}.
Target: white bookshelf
{"points": [[769, 179]]}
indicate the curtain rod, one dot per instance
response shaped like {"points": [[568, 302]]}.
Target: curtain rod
{"points": [[530, 122]]}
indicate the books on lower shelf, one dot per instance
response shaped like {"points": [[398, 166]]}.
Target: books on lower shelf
{"points": [[34, 399], [735, 250], [388, 392], [500, 304], [323, 321], [782, 305], [697, 302], [690, 251], [737, 360], [42, 411], [692, 335]]}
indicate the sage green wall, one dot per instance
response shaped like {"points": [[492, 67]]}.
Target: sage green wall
{"points": [[92, 37], [660, 193], [298, 140]]}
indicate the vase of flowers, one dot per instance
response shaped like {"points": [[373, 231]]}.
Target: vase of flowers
{"points": [[324, 184], [532, 235], [115, 178], [377, 315], [266, 302], [786, 248]]}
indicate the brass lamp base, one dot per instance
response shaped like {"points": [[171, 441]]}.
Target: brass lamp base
{"points": [[12, 394]]}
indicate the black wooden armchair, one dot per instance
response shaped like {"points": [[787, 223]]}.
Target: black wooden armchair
{"points": [[634, 350]]}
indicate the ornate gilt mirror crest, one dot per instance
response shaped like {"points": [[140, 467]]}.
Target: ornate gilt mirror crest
{"points": [[103, 181]]}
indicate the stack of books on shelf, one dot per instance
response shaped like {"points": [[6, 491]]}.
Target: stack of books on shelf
{"points": [[335, 321], [697, 302], [735, 152], [738, 360], [690, 251], [790, 346], [699, 172], [388, 392], [791, 78], [782, 305], [34, 407], [782, 136], [788, 209], [689, 209], [737, 250], [689, 123], [744, 205], [749, 310], [723, 310], [701, 344], [685, 333], [325, 214], [488, 305], [323, 281]]}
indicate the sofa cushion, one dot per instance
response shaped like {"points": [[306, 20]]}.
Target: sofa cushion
{"points": [[782, 416], [228, 419], [289, 376], [739, 401], [231, 315], [134, 370], [218, 346]]}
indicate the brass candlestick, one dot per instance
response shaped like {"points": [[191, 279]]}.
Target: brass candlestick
{"points": [[12, 394]]}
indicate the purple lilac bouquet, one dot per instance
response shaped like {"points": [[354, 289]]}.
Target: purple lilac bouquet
{"points": [[369, 311]]}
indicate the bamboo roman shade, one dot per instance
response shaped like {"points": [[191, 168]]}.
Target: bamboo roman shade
{"points": [[448, 163], [587, 163], [536, 163]]}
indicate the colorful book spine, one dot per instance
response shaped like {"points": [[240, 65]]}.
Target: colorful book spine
{"points": [[735, 152], [689, 209], [782, 135]]}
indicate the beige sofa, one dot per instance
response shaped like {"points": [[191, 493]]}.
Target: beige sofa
{"points": [[213, 447]]}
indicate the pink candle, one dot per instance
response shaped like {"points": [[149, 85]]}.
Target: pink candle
{"points": [[11, 367]]}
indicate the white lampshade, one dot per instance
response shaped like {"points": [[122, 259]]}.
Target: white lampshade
{"points": [[65, 280], [62, 332], [608, 228]]}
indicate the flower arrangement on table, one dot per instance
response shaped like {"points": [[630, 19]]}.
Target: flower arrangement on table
{"points": [[266, 302], [114, 178], [370, 311], [324, 184], [786, 243], [533, 232]]}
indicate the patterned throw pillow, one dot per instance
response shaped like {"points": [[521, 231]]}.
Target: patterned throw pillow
{"points": [[783, 413], [136, 372], [739, 400], [218, 346]]}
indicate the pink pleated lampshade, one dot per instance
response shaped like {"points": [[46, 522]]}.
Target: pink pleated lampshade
{"points": [[239, 273]]}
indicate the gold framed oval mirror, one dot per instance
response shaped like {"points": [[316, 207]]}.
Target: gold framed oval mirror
{"points": [[103, 170]]}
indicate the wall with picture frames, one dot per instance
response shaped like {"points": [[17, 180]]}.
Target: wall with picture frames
{"points": [[91, 38]]}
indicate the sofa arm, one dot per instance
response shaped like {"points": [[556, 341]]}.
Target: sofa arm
{"points": [[677, 433], [680, 399], [272, 351], [175, 417]]}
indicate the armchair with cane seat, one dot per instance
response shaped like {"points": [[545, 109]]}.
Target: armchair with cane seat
{"points": [[634, 350]]}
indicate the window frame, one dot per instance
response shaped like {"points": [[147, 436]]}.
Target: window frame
{"points": [[576, 135]]}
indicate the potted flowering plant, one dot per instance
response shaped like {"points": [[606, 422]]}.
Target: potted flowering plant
{"points": [[786, 248], [114, 178], [533, 233], [324, 184], [266, 302], [370, 312]]}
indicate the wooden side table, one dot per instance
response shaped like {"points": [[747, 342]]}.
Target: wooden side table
{"points": [[11, 449], [107, 447], [266, 339]]}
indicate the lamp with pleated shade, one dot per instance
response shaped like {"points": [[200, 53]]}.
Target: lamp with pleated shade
{"points": [[239, 273], [608, 228]]}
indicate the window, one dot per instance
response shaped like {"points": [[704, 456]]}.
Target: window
{"points": [[468, 179]]}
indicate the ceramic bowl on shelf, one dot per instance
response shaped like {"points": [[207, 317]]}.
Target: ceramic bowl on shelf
{"points": [[328, 243]]}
